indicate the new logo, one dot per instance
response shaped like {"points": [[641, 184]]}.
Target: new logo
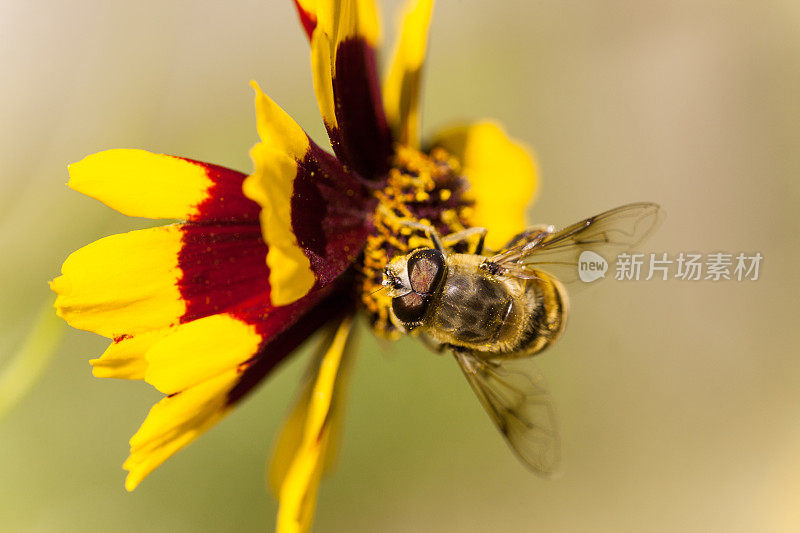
{"points": [[591, 266]]}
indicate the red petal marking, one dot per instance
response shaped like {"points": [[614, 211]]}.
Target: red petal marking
{"points": [[363, 140], [224, 201], [291, 325], [223, 266], [307, 19], [330, 208], [223, 257], [225, 271]]}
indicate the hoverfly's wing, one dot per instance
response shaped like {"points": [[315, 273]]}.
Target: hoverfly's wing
{"points": [[557, 252], [515, 397]]}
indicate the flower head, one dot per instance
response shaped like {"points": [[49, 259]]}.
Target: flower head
{"points": [[206, 308]]}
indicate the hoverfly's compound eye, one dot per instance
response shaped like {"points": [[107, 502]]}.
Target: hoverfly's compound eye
{"points": [[410, 309], [426, 270]]}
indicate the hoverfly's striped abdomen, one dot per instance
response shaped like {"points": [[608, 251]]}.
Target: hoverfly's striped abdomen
{"points": [[548, 305], [498, 315]]}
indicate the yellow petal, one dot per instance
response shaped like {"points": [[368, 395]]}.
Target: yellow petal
{"points": [[401, 91], [123, 284], [197, 364], [502, 173], [307, 6], [283, 145], [276, 128], [306, 444], [125, 357], [343, 19], [207, 366], [291, 435], [176, 421], [288, 442], [321, 59], [338, 20], [142, 184], [198, 351]]}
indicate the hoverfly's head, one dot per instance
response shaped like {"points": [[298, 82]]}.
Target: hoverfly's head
{"points": [[412, 280], [395, 277]]}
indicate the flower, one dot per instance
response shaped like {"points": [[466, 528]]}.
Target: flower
{"points": [[205, 309]]}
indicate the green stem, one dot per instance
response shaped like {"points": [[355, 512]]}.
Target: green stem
{"points": [[27, 364]]}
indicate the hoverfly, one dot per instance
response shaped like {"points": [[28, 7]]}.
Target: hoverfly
{"points": [[494, 311]]}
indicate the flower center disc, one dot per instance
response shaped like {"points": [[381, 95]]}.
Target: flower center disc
{"points": [[424, 188]]}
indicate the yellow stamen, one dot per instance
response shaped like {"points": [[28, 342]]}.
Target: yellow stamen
{"points": [[414, 180]]}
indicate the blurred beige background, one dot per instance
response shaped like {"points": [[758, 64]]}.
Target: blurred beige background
{"points": [[678, 400]]}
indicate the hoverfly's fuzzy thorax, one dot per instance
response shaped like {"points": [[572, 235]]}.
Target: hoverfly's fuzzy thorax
{"points": [[423, 188]]}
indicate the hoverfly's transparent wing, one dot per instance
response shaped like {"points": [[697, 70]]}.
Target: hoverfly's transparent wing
{"points": [[557, 252], [516, 398]]}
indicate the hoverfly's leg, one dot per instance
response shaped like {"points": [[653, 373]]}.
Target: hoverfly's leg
{"points": [[430, 231], [463, 235]]}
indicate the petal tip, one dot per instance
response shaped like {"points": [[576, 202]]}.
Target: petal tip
{"points": [[131, 482]]}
